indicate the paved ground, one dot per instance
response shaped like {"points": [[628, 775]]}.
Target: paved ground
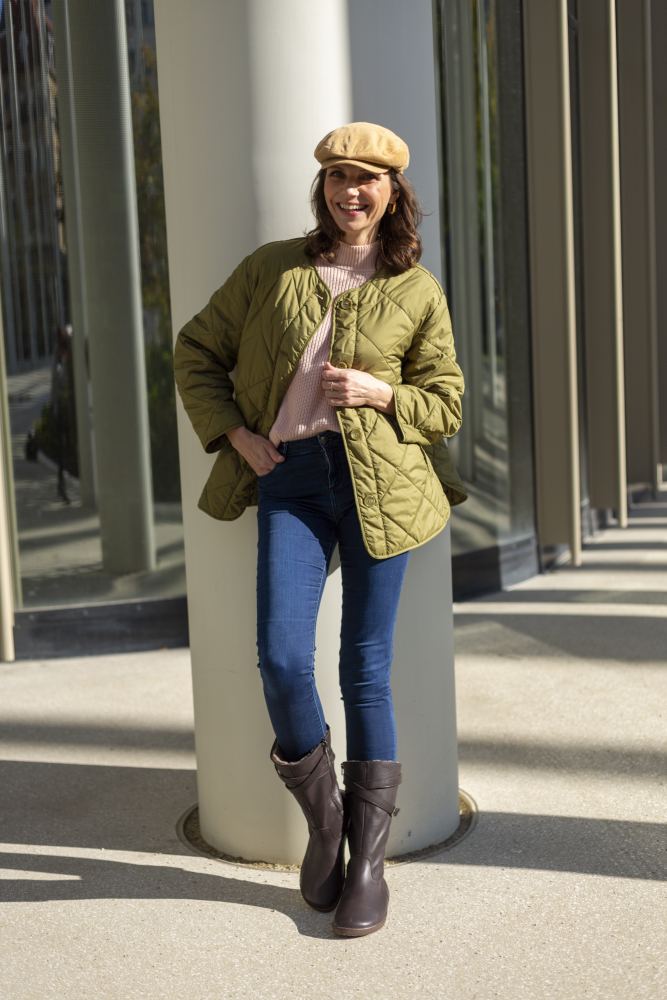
{"points": [[558, 892]]}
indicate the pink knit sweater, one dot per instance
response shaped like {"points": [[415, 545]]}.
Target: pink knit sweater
{"points": [[305, 410]]}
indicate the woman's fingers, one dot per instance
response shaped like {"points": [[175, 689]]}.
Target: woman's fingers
{"points": [[260, 453], [347, 386], [268, 455], [272, 451]]}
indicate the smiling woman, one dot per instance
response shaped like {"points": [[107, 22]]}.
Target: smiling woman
{"points": [[345, 373], [357, 202], [357, 199]]}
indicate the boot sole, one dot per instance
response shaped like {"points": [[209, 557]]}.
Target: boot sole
{"points": [[357, 931]]}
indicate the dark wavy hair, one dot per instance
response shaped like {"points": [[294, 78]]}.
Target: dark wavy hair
{"points": [[400, 243]]}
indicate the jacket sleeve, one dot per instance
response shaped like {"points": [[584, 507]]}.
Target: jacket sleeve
{"points": [[204, 355], [428, 400]]}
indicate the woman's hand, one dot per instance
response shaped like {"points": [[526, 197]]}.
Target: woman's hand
{"points": [[258, 451], [350, 387]]}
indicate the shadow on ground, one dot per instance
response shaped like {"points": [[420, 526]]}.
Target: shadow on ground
{"points": [[136, 810]]}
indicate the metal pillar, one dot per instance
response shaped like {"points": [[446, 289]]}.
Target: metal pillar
{"points": [[659, 97], [552, 271], [639, 239], [603, 300]]}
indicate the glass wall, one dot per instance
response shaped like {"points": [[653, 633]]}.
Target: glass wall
{"points": [[486, 281], [57, 438]]}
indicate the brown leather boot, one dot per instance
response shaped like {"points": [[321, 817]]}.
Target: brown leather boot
{"points": [[370, 794], [313, 783]]}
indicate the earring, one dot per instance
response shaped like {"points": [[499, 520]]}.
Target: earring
{"points": [[392, 208]]}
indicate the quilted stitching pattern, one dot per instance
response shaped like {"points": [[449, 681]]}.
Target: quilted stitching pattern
{"points": [[422, 500], [396, 327]]}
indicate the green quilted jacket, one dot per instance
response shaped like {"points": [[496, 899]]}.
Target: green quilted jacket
{"points": [[233, 362]]}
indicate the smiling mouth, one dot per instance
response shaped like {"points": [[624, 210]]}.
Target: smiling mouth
{"points": [[350, 208]]}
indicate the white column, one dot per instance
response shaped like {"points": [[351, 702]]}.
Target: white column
{"points": [[246, 91], [423, 670]]}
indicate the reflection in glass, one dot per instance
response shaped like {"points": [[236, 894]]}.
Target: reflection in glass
{"points": [[51, 403], [474, 249]]}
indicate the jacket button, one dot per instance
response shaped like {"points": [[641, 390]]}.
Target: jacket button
{"points": [[370, 500], [342, 364], [344, 303], [354, 435]]}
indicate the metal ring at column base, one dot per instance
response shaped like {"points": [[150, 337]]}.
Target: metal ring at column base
{"points": [[189, 834]]}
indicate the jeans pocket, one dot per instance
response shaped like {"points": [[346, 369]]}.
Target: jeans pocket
{"points": [[265, 475]]}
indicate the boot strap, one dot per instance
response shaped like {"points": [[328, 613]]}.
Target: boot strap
{"points": [[371, 795], [318, 771]]}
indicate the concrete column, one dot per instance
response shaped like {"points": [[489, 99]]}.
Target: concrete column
{"points": [[639, 239], [602, 273], [246, 91], [112, 287], [424, 696], [75, 258], [549, 157]]}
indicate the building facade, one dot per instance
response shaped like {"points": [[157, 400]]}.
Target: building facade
{"points": [[538, 150]]}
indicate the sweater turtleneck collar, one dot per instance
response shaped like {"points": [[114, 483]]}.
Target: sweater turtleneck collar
{"points": [[365, 255]]}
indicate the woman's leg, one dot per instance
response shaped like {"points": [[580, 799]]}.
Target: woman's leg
{"points": [[371, 592], [372, 774], [295, 541]]}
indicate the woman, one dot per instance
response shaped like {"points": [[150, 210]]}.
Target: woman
{"points": [[346, 386]]}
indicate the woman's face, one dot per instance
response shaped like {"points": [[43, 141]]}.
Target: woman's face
{"points": [[357, 199]]}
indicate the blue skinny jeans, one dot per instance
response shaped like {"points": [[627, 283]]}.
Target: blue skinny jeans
{"points": [[305, 506]]}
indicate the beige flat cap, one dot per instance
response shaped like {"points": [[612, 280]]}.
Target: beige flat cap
{"points": [[365, 145]]}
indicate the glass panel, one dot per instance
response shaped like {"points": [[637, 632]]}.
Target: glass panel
{"points": [[63, 557], [480, 280]]}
